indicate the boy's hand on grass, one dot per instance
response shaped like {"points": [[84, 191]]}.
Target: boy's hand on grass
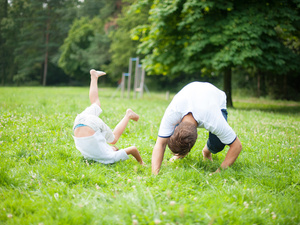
{"points": [[175, 157], [217, 171], [143, 164]]}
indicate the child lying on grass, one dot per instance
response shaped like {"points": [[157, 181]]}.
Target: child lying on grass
{"points": [[92, 135]]}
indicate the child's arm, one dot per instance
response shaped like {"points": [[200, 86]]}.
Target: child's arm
{"points": [[135, 153]]}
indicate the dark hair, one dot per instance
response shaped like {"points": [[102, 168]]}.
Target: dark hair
{"points": [[183, 138]]}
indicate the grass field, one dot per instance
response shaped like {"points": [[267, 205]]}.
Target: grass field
{"points": [[45, 180]]}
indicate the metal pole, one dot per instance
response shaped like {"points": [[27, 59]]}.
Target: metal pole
{"points": [[136, 75], [122, 85], [129, 78], [142, 82]]}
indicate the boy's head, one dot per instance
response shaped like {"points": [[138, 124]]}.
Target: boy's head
{"points": [[183, 139]]}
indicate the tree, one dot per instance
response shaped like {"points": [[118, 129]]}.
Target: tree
{"points": [[56, 25], [89, 40], [32, 32], [85, 47], [10, 28], [123, 44], [191, 35], [28, 27], [3, 48]]}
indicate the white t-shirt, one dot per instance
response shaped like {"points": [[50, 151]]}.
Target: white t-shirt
{"points": [[205, 102], [95, 147]]}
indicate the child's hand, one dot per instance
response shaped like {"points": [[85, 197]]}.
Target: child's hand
{"points": [[175, 157], [217, 171], [115, 148]]}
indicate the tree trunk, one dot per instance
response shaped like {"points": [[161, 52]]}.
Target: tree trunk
{"points": [[285, 86], [3, 14], [46, 53], [258, 84], [227, 86]]}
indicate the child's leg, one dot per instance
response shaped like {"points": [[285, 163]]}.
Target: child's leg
{"points": [[119, 129], [93, 94], [135, 153], [85, 131]]}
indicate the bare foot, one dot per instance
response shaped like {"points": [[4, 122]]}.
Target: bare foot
{"points": [[132, 115], [206, 154], [97, 73]]}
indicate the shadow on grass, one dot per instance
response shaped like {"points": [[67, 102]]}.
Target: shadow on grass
{"points": [[197, 163], [282, 107]]}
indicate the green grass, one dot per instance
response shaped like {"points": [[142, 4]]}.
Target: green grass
{"points": [[45, 180]]}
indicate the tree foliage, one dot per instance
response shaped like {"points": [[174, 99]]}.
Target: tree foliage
{"points": [[77, 45], [87, 45], [124, 45], [4, 59], [188, 35], [24, 32], [191, 35]]}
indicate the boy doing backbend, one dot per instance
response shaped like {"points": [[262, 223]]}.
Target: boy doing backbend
{"points": [[92, 136]]}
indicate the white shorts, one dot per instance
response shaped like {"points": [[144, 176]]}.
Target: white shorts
{"points": [[90, 117]]}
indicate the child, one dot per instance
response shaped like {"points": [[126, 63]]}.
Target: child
{"points": [[92, 135]]}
